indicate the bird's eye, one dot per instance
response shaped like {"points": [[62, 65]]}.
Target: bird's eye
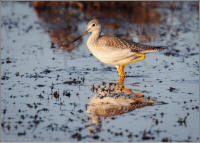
{"points": [[93, 24]]}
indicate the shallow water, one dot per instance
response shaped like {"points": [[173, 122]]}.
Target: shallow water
{"points": [[45, 92]]}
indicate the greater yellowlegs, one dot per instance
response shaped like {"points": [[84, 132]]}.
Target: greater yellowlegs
{"points": [[115, 51]]}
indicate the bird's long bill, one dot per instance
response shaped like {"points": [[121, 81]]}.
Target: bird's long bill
{"points": [[83, 34]]}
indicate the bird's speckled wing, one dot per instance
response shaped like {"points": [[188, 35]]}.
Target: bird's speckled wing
{"points": [[115, 42]]}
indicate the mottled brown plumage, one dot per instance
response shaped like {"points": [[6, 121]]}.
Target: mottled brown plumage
{"points": [[109, 41]]}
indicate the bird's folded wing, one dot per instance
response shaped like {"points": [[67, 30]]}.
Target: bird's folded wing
{"points": [[115, 42]]}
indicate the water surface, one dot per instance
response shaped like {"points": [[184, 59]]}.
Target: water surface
{"points": [[46, 91]]}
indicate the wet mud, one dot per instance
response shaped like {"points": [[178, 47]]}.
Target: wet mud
{"points": [[52, 90]]}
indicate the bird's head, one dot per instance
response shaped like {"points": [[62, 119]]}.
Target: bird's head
{"points": [[92, 26]]}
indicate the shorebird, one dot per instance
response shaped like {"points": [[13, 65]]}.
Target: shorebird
{"points": [[114, 51]]}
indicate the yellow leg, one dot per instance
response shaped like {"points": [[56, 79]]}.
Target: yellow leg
{"points": [[121, 85], [121, 71], [121, 68]]}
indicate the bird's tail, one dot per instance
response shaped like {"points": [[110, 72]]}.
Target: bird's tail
{"points": [[148, 49]]}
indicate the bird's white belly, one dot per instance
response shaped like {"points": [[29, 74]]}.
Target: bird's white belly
{"points": [[112, 56]]}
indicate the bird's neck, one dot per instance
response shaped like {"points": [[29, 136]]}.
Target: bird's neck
{"points": [[93, 37]]}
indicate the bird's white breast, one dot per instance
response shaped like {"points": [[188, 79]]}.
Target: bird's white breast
{"points": [[109, 55]]}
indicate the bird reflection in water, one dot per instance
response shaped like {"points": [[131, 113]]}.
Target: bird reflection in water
{"points": [[112, 99]]}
